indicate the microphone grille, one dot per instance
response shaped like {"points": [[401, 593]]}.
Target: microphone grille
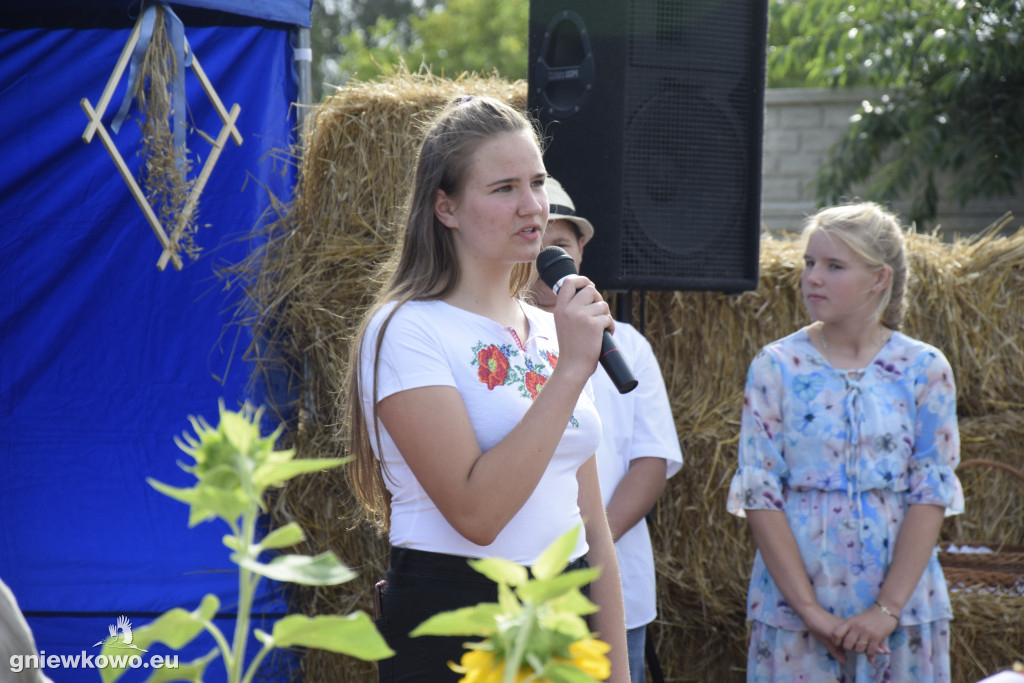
{"points": [[554, 263]]}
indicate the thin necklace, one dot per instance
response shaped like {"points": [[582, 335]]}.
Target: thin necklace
{"points": [[824, 341]]}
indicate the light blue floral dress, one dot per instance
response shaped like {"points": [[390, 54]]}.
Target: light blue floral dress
{"points": [[843, 454]]}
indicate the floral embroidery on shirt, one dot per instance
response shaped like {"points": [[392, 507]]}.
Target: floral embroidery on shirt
{"points": [[494, 365], [496, 368], [534, 382]]}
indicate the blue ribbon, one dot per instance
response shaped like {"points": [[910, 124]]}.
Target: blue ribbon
{"points": [[176, 31], [183, 59], [145, 33]]}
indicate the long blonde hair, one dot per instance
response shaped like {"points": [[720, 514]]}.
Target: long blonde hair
{"points": [[424, 266], [876, 236]]}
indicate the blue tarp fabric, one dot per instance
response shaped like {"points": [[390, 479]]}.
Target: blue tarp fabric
{"points": [[102, 356], [288, 11], [294, 12]]}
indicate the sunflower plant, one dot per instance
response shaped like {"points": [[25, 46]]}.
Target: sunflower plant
{"points": [[234, 466], [536, 632]]}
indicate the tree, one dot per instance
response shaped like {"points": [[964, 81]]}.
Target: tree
{"points": [[952, 77], [461, 35], [334, 21], [782, 31], [475, 35]]}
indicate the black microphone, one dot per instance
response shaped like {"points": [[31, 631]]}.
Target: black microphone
{"points": [[554, 264]]}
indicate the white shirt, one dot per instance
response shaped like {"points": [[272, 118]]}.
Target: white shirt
{"points": [[431, 343], [638, 424]]}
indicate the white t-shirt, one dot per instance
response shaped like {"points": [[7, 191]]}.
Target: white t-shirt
{"points": [[431, 343], [638, 424]]}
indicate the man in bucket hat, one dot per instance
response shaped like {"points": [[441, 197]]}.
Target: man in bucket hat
{"points": [[639, 447]]}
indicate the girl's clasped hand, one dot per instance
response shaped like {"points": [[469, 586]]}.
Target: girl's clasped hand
{"points": [[864, 633]]}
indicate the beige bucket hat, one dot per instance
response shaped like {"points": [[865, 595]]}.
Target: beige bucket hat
{"points": [[561, 206]]}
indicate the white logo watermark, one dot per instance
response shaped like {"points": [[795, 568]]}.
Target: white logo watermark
{"points": [[120, 638]]}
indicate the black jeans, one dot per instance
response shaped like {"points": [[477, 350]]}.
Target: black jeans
{"points": [[419, 585]]}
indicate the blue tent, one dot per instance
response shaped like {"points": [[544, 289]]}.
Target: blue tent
{"points": [[103, 356]]}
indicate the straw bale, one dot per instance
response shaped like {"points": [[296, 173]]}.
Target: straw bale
{"points": [[986, 633], [997, 513], [702, 560], [311, 284], [964, 298]]}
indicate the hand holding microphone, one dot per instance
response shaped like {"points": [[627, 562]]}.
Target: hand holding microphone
{"points": [[554, 264]]}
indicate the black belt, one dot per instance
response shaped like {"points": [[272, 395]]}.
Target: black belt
{"points": [[411, 567], [409, 559]]}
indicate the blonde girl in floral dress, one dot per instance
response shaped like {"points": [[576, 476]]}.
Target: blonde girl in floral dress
{"points": [[459, 452], [848, 446]]}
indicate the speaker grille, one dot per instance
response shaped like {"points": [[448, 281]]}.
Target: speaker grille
{"points": [[664, 154], [684, 181], [687, 147], [697, 35]]}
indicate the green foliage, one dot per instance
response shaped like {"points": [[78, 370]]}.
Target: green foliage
{"points": [[233, 467], [475, 35], [460, 36], [953, 74], [373, 52], [536, 626], [784, 71], [334, 20]]}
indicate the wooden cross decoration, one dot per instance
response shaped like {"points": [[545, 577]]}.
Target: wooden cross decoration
{"points": [[169, 242]]}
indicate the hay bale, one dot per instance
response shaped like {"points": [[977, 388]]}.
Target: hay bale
{"points": [[987, 634], [309, 288], [997, 513], [964, 299]]}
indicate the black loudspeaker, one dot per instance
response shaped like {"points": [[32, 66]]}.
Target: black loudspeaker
{"points": [[654, 115]]}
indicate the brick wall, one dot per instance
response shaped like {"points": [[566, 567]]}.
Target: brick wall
{"points": [[800, 126]]}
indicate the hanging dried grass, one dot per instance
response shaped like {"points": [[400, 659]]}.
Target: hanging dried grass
{"points": [[312, 282], [165, 171]]}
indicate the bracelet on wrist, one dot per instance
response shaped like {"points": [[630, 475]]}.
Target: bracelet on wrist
{"points": [[886, 610]]}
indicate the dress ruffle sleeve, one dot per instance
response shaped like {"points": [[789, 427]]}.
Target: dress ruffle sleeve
{"points": [[932, 479], [760, 479]]}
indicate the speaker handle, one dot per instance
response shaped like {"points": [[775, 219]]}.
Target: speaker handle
{"points": [[546, 75]]}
